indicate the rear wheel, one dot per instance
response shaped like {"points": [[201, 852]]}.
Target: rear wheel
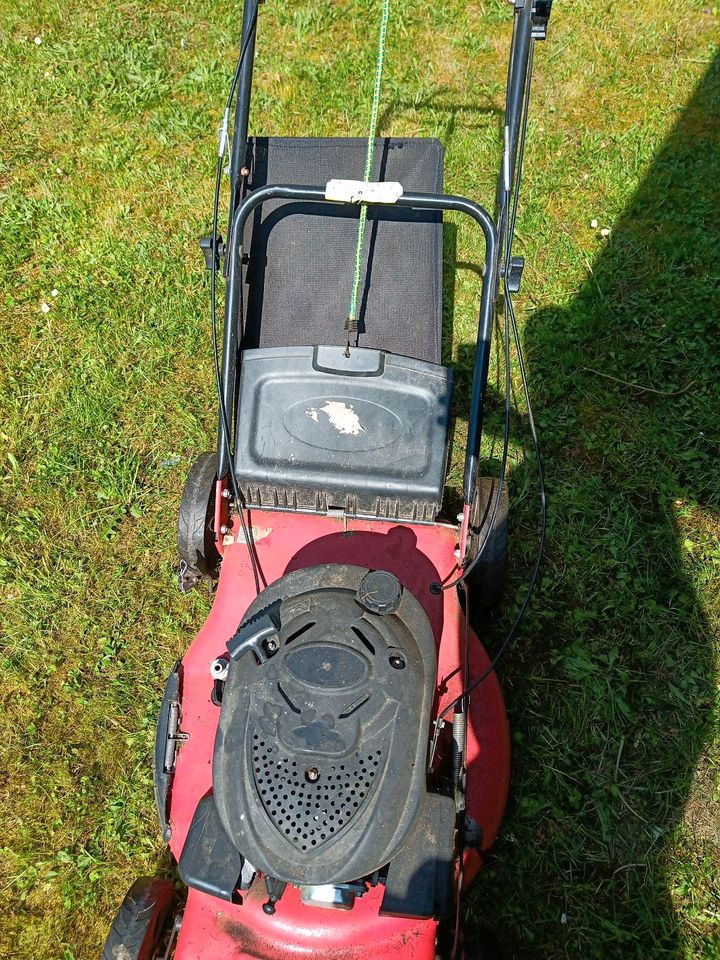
{"points": [[487, 577], [199, 556], [140, 928]]}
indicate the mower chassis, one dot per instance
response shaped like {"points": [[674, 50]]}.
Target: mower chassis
{"points": [[419, 555]]}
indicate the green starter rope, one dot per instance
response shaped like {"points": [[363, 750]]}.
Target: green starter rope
{"points": [[351, 322]]}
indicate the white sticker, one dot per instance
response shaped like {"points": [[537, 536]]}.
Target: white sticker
{"points": [[341, 416]]}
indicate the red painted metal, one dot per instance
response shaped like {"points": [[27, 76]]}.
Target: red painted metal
{"points": [[213, 930], [464, 528], [221, 514], [419, 555]]}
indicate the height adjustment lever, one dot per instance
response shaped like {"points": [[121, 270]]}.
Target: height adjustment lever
{"points": [[540, 16], [206, 245], [515, 272]]}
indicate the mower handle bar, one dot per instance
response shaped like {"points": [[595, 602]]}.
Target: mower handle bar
{"points": [[415, 201]]}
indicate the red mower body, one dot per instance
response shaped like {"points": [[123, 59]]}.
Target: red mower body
{"points": [[334, 798], [418, 555]]}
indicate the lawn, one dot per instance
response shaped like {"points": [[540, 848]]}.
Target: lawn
{"points": [[611, 845]]}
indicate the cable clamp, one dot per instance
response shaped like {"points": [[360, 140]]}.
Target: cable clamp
{"points": [[223, 133], [360, 191]]}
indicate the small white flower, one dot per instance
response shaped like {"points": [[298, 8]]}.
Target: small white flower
{"points": [[54, 292], [605, 232], [593, 224], [182, 42], [563, 918], [58, 170], [37, 41], [45, 307]]}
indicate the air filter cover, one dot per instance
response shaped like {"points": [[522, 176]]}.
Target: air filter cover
{"points": [[321, 750]]}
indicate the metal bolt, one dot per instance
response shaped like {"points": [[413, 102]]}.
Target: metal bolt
{"points": [[219, 669], [272, 645], [224, 529], [397, 663], [312, 774], [244, 172], [225, 493]]}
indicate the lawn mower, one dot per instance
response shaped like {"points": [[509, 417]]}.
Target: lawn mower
{"points": [[332, 752]]}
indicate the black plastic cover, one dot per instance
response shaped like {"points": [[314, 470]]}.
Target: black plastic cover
{"points": [[209, 862], [360, 431], [320, 756], [418, 878]]}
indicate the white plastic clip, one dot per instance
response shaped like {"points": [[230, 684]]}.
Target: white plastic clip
{"points": [[358, 191], [223, 133], [506, 160]]}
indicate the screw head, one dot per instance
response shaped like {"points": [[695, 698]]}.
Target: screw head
{"points": [[224, 529], [396, 662], [312, 774]]}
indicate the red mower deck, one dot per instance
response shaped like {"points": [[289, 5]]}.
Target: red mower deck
{"points": [[418, 556]]}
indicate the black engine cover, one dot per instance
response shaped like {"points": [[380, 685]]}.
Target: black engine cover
{"points": [[320, 758]]}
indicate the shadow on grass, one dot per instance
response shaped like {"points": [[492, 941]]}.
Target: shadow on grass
{"points": [[610, 847], [451, 108]]}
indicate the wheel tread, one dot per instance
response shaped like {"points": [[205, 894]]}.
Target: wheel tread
{"points": [[139, 921], [195, 540]]}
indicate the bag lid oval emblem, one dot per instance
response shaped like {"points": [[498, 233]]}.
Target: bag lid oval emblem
{"points": [[347, 423]]}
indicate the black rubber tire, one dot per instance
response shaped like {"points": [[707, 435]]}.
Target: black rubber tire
{"points": [[199, 556], [142, 921], [487, 578]]}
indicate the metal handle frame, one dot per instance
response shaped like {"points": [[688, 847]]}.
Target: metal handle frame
{"points": [[530, 23], [415, 201]]}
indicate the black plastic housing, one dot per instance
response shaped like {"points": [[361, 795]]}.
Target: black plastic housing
{"points": [[365, 433], [418, 879], [319, 763], [209, 861]]}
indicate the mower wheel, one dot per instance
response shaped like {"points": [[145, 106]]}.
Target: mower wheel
{"points": [[487, 578], [140, 927], [199, 557]]}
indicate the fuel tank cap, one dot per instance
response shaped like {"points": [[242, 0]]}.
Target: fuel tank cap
{"points": [[380, 592]]}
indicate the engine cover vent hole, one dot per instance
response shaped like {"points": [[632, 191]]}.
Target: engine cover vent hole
{"points": [[300, 631], [306, 813]]}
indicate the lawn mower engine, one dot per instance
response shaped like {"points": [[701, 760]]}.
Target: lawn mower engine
{"points": [[319, 765]]}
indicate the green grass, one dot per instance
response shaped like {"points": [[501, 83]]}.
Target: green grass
{"points": [[610, 845]]}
